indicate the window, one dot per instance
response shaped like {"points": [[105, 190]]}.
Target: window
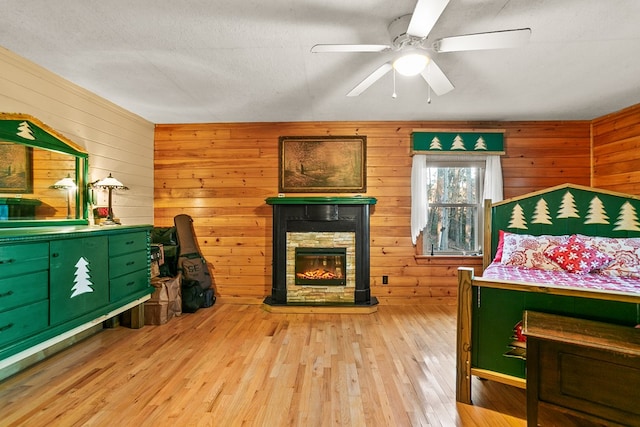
{"points": [[455, 207]]}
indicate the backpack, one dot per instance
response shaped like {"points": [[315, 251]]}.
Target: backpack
{"points": [[209, 298], [192, 296], [194, 267]]}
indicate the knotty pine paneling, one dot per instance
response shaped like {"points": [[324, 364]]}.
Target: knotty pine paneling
{"points": [[220, 174], [616, 151]]}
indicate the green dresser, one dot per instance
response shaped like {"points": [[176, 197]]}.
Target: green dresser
{"points": [[56, 281]]}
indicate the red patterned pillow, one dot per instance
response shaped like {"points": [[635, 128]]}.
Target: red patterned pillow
{"points": [[577, 257], [527, 251], [500, 247]]}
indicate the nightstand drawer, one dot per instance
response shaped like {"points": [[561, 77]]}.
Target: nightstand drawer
{"points": [[26, 289], [24, 258], [21, 322], [125, 285], [127, 243], [125, 264]]}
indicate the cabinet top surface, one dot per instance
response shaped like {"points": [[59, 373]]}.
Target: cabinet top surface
{"points": [[41, 233]]}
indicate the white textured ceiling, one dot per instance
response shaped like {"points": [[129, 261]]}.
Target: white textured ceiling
{"points": [[195, 61]]}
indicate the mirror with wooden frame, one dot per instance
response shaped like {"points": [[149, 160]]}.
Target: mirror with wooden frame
{"points": [[43, 175]]}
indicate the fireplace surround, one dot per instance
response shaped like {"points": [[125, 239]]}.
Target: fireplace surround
{"points": [[322, 225]]}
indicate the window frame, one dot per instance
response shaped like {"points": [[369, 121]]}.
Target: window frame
{"points": [[459, 161]]}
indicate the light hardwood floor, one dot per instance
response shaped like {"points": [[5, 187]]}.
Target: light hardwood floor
{"points": [[232, 365]]}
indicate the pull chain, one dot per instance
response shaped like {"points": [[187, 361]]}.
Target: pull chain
{"points": [[394, 95]]}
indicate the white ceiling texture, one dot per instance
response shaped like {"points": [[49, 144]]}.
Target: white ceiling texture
{"points": [[203, 61]]}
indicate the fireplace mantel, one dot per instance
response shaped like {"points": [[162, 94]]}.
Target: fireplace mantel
{"points": [[354, 200], [321, 215]]}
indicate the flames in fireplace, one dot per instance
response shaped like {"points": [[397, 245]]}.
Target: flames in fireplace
{"points": [[320, 266]]}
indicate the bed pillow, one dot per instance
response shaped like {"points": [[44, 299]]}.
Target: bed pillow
{"points": [[500, 246], [624, 251], [575, 256], [527, 251]]}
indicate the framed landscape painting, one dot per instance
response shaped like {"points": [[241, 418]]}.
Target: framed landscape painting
{"points": [[16, 168], [334, 164]]}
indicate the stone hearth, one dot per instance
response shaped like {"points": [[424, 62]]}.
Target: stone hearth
{"points": [[321, 222]]}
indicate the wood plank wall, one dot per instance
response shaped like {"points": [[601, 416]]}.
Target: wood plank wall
{"points": [[616, 151], [220, 174], [117, 140]]}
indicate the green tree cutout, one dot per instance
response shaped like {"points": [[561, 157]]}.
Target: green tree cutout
{"points": [[541, 213], [628, 218], [82, 282], [24, 131], [480, 144], [517, 218], [435, 144], [458, 143], [568, 207], [596, 213]]}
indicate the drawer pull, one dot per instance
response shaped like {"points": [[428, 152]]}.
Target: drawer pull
{"points": [[5, 327], [6, 294], [7, 261], [130, 242], [55, 255], [131, 263], [131, 283]]}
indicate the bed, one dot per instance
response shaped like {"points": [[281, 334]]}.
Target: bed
{"points": [[530, 263]]}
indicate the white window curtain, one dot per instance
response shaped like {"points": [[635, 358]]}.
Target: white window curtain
{"points": [[493, 179], [419, 203], [492, 187]]}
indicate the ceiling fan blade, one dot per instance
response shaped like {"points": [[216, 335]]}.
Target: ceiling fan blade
{"points": [[491, 40], [425, 15], [325, 48], [435, 78], [371, 79]]}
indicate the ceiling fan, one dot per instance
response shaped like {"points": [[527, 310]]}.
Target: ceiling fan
{"points": [[409, 37]]}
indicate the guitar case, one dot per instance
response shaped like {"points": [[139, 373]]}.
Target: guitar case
{"points": [[191, 263]]}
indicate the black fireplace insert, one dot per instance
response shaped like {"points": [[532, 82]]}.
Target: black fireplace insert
{"points": [[321, 266]]}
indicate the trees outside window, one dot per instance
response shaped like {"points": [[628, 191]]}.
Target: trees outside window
{"points": [[454, 194]]}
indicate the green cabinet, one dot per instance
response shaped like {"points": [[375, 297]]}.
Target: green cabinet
{"points": [[79, 278], [58, 281], [128, 264]]}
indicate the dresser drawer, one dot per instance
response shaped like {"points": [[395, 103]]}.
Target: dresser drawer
{"points": [[22, 290], [21, 322], [123, 286], [23, 258], [125, 264], [126, 243]]}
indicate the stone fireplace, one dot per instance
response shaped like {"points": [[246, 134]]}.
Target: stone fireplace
{"points": [[320, 251]]}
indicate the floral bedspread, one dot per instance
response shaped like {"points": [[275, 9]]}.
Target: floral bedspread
{"points": [[593, 281]]}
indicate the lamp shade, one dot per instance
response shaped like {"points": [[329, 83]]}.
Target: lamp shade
{"points": [[411, 64], [66, 182], [110, 182]]}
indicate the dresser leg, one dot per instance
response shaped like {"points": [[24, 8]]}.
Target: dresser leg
{"points": [[137, 316]]}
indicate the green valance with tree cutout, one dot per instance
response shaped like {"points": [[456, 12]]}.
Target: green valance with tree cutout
{"points": [[482, 142]]}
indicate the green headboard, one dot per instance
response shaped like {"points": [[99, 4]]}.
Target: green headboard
{"points": [[565, 209]]}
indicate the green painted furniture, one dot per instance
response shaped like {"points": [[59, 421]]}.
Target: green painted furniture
{"points": [[488, 310], [58, 281]]}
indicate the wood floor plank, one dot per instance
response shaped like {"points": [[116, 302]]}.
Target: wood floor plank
{"points": [[236, 365]]}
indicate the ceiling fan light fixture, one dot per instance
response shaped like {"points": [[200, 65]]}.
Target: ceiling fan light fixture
{"points": [[411, 64]]}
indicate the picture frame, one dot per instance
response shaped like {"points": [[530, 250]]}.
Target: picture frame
{"points": [[16, 168], [322, 164]]}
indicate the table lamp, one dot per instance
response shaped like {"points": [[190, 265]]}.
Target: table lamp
{"points": [[110, 183], [66, 184]]}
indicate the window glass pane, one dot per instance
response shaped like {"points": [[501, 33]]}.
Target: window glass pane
{"points": [[451, 229], [452, 184], [454, 192]]}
